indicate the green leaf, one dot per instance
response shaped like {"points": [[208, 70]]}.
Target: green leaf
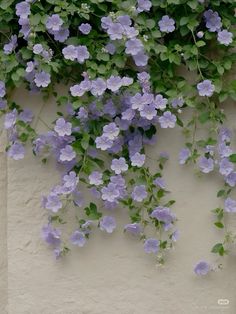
{"points": [[218, 249], [92, 212], [232, 158], [204, 117], [184, 20], [219, 224], [85, 141], [200, 43]]}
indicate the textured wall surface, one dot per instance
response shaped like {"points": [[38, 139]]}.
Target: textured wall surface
{"points": [[112, 274]]}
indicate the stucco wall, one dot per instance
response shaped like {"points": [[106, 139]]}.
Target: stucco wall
{"points": [[112, 274]]}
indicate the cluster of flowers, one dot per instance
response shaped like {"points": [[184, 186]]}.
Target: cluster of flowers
{"points": [[115, 109]]}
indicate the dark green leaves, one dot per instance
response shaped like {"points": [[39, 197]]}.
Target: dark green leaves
{"points": [[219, 249], [92, 212]]}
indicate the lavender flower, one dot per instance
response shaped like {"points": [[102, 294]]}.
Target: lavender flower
{"points": [[144, 5], [2, 89], [52, 202], [78, 238], [166, 24], [16, 151], [85, 28], [160, 183], [115, 31], [103, 142], [51, 235], [23, 9], [42, 79], [114, 83], [139, 193], [226, 167], [108, 224], [110, 193], [133, 228], [10, 119], [231, 179], [70, 181], [133, 46], [163, 214], [98, 87], [184, 154], [26, 115], [37, 49], [137, 160], [205, 88], [70, 52], [61, 35], [230, 205], [67, 153], [140, 59], [206, 165], [167, 120], [119, 165], [213, 20], [11, 45], [95, 178], [148, 112], [160, 102], [202, 268], [54, 22], [62, 127], [82, 54], [224, 37], [151, 245], [110, 48]]}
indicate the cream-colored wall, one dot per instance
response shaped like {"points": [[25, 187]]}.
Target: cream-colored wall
{"points": [[112, 274]]}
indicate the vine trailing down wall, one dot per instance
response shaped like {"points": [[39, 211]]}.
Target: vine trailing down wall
{"points": [[121, 60]]}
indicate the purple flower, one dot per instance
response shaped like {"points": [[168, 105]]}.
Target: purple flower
{"points": [[139, 193], [16, 151], [184, 154], [108, 224], [115, 31], [137, 160], [70, 181], [160, 102], [85, 28], [231, 179], [61, 35], [54, 22], [140, 59], [62, 127], [3, 104], [177, 102], [78, 238], [82, 54], [148, 112], [144, 5], [133, 46], [225, 134], [52, 202], [111, 131], [125, 20], [10, 119], [230, 205], [110, 48], [114, 83], [98, 87], [133, 228], [80, 89], [151, 245], [175, 236], [119, 165], [213, 20], [110, 193], [2, 89], [167, 120], [103, 142], [206, 165], [128, 114], [166, 24], [200, 34], [163, 214], [26, 115], [202, 268], [160, 183], [42, 79], [37, 49], [70, 52], [51, 235], [224, 150], [226, 167], [67, 153], [9, 47], [205, 88], [224, 37], [95, 178], [23, 9]]}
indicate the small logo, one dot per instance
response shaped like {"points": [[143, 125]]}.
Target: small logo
{"points": [[223, 302]]}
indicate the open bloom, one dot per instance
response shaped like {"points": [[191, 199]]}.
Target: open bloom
{"points": [[166, 24], [151, 245], [205, 88], [108, 224], [202, 268]]}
